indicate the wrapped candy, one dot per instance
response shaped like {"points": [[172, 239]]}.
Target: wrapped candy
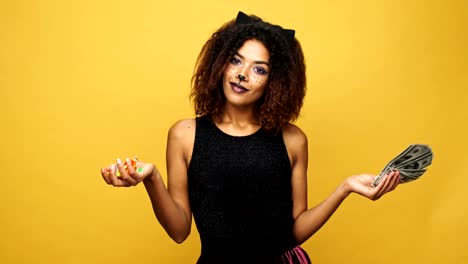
{"points": [[133, 163]]}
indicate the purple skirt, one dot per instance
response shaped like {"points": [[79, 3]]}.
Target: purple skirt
{"points": [[296, 255]]}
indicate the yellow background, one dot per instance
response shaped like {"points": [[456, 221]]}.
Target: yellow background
{"points": [[85, 82]]}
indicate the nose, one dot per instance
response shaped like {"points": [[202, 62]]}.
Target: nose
{"points": [[242, 74]]}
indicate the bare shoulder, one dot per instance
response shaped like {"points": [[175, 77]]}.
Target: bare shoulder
{"points": [[183, 126], [292, 134], [180, 139], [183, 131], [295, 141]]}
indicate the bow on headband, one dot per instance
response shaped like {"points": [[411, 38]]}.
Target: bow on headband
{"points": [[243, 18]]}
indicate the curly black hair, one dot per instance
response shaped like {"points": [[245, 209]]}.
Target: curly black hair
{"points": [[286, 87]]}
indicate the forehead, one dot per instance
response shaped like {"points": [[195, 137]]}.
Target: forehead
{"points": [[254, 50]]}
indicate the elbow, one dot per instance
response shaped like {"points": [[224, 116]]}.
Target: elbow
{"points": [[303, 232], [179, 240], [301, 238], [180, 237], [178, 232]]}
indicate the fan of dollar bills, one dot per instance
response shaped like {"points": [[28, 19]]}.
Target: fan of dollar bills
{"points": [[411, 163]]}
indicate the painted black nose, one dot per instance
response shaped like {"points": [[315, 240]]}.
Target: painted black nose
{"points": [[241, 77]]}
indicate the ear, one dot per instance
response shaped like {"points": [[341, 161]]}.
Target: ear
{"points": [[243, 18]]}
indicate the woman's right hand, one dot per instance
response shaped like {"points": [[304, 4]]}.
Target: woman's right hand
{"points": [[128, 177]]}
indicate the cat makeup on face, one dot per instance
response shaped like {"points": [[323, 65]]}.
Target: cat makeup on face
{"points": [[246, 74]]}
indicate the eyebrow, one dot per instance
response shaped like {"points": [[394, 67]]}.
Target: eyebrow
{"points": [[256, 62]]}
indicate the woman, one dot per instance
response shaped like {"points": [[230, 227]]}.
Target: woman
{"points": [[240, 166]]}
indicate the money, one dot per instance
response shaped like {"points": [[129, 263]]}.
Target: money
{"points": [[411, 163]]}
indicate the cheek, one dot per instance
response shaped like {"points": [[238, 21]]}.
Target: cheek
{"points": [[259, 80], [229, 71]]}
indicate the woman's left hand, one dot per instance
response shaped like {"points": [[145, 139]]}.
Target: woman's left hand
{"points": [[362, 184]]}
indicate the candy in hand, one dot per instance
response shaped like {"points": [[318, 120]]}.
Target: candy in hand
{"points": [[133, 163]]}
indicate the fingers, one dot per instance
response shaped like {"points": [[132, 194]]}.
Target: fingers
{"points": [[105, 175], [108, 174], [395, 181], [388, 183], [384, 185], [128, 173], [133, 175], [379, 189], [124, 172]]}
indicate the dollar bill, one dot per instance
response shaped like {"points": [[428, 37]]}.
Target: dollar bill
{"points": [[411, 163]]}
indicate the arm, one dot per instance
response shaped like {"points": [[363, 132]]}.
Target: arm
{"points": [[170, 205], [307, 222]]}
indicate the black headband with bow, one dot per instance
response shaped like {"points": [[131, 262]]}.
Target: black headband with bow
{"points": [[243, 18]]}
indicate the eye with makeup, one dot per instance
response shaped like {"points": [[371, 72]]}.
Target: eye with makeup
{"points": [[260, 70], [257, 69], [235, 61]]}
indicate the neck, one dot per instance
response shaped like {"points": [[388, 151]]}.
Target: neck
{"points": [[239, 116], [238, 121]]}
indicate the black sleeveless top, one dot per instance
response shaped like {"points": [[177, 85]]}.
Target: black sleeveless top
{"points": [[240, 192]]}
